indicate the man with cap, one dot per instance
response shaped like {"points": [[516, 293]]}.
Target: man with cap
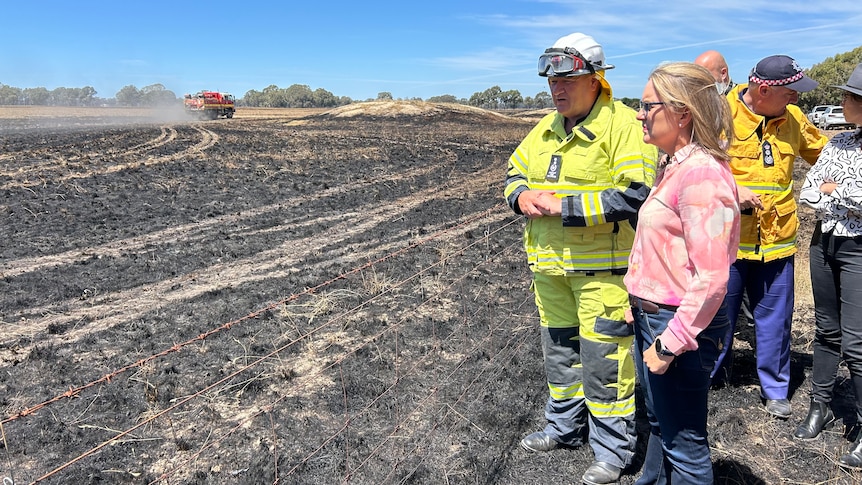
{"points": [[579, 177], [771, 132]]}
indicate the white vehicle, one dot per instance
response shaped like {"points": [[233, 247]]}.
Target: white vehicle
{"points": [[833, 118], [814, 114]]}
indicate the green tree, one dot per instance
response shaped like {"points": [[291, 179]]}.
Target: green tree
{"points": [[543, 99], [488, 99], [36, 96], [157, 95], [322, 98], [633, 103], [831, 72], [86, 96], [299, 96], [384, 96], [253, 98], [510, 99], [62, 96], [273, 97], [445, 98], [10, 95], [128, 96]]}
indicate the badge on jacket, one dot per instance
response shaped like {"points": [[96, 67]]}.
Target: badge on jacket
{"points": [[768, 159], [553, 174]]}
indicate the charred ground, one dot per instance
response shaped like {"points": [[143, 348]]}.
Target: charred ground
{"points": [[298, 297]]}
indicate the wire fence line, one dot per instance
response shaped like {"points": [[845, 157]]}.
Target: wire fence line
{"points": [[391, 426]]}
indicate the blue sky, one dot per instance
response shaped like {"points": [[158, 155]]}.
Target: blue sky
{"points": [[409, 49]]}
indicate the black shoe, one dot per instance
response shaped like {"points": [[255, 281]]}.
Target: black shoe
{"points": [[819, 417], [854, 458], [601, 473], [539, 442], [780, 408]]}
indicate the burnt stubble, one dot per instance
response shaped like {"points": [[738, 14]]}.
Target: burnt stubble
{"points": [[297, 296]]}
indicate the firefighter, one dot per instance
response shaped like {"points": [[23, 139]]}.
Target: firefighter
{"points": [[579, 177], [771, 132]]}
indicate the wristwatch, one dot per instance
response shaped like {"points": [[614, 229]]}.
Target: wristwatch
{"points": [[661, 349]]}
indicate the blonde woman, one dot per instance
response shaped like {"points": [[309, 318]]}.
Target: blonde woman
{"points": [[686, 240]]}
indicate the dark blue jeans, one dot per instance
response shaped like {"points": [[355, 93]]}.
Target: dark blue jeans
{"points": [[678, 449]]}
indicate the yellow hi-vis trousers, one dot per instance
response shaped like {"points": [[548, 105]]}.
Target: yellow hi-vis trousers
{"points": [[588, 362]]}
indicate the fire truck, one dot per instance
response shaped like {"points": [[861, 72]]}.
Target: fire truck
{"points": [[209, 104]]}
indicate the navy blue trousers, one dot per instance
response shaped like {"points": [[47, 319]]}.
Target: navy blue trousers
{"points": [[770, 291], [676, 401]]}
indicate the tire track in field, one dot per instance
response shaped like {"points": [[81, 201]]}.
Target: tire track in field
{"points": [[106, 310], [208, 139], [169, 134], [39, 162], [188, 233]]}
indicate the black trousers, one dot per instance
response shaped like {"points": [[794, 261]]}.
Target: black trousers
{"points": [[836, 281]]}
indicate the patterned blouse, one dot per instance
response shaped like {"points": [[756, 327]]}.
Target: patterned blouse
{"points": [[686, 240], [841, 162]]}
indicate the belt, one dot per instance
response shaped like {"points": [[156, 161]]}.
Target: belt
{"points": [[605, 272], [649, 306]]}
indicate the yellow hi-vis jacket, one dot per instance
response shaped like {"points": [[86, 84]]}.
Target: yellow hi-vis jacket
{"points": [[603, 171], [770, 233]]}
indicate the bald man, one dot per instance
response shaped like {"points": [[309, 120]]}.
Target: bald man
{"points": [[715, 63]]}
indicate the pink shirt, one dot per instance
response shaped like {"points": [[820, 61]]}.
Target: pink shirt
{"points": [[686, 240]]}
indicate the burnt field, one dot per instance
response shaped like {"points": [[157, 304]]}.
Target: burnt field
{"points": [[299, 297]]}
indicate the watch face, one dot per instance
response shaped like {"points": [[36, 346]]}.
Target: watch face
{"points": [[661, 350]]}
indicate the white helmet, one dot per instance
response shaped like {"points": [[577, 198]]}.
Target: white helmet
{"points": [[584, 47]]}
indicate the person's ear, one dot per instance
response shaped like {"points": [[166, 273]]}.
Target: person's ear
{"points": [[684, 118]]}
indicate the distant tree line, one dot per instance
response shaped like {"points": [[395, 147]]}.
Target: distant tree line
{"points": [[85, 96], [296, 96], [152, 95], [832, 71]]}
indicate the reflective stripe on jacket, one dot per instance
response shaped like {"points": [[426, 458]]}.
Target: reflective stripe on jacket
{"points": [[605, 171], [770, 233]]}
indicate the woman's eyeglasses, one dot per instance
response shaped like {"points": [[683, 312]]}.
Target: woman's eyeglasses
{"points": [[648, 106]]}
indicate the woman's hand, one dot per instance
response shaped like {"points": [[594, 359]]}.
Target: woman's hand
{"points": [[657, 363]]}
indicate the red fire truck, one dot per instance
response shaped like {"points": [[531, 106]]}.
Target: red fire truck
{"points": [[210, 104]]}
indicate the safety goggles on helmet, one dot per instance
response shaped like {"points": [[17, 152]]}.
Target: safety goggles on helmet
{"points": [[563, 62]]}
